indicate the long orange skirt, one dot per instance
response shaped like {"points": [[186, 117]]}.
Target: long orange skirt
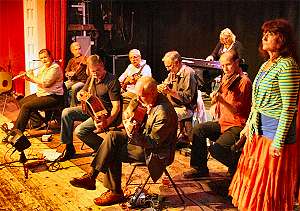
{"points": [[263, 182]]}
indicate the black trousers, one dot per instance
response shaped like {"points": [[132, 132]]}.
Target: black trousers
{"points": [[220, 147], [112, 152], [30, 105]]}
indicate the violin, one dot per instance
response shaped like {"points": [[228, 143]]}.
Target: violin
{"points": [[225, 86], [229, 83], [77, 64]]}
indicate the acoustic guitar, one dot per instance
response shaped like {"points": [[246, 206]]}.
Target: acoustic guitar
{"points": [[135, 123], [129, 80], [92, 105], [5, 82]]}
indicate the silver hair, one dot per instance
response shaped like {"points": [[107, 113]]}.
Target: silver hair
{"points": [[228, 32]]}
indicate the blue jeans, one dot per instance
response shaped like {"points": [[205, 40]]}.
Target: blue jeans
{"points": [[84, 131], [72, 88]]}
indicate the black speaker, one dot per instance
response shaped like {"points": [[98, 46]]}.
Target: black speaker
{"points": [[118, 64], [18, 140]]}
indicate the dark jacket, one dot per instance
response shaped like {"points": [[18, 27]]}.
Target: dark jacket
{"points": [[237, 46], [159, 137]]}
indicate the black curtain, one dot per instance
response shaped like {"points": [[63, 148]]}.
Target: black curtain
{"points": [[190, 27]]}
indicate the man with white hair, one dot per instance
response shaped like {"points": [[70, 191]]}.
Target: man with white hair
{"points": [[137, 69]]}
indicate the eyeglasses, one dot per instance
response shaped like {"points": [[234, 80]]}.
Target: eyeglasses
{"points": [[169, 66], [269, 33]]}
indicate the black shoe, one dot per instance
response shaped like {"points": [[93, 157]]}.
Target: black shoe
{"points": [[68, 154], [195, 173], [182, 141], [85, 182]]}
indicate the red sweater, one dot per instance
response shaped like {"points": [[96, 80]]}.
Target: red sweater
{"points": [[239, 97]]}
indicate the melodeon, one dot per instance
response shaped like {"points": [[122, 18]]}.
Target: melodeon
{"points": [[201, 63]]}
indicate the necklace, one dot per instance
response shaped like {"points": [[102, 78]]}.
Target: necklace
{"points": [[270, 63]]}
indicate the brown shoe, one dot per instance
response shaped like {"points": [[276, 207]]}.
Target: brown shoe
{"points": [[85, 182], [109, 198]]}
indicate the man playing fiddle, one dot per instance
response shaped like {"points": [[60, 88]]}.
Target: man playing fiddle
{"points": [[152, 143], [75, 73], [233, 101], [105, 86]]}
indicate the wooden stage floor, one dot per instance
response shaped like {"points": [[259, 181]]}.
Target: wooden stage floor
{"points": [[50, 190]]}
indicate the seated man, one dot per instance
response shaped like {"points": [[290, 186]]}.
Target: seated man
{"points": [[49, 93], [106, 87], [75, 73], [232, 103], [180, 86], [137, 69], [152, 143]]}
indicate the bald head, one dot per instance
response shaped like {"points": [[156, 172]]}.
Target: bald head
{"points": [[230, 62], [230, 55], [146, 89]]}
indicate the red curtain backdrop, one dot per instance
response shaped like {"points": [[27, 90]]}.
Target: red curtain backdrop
{"points": [[56, 28], [12, 50], [298, 141]]}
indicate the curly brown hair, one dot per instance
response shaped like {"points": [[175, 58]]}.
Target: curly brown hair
{"points": [[288, 45]]}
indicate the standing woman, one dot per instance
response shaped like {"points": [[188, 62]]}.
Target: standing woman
{"points": [[267, 169]]}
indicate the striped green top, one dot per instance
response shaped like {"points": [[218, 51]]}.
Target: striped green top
{"points": [[275, 94]]}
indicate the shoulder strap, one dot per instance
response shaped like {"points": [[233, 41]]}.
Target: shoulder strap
{"points": [[139, 72]]}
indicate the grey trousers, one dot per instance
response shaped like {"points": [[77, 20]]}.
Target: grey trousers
{"points": [[112, 152]]}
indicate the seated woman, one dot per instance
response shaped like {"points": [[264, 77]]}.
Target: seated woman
{"points": [[49, 93]]}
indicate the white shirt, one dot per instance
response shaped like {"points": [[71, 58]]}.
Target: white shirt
{"points": [[131, 70], [51, 80]]}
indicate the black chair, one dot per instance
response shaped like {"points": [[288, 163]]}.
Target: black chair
{"points": [[143, 164], [54, 113]]}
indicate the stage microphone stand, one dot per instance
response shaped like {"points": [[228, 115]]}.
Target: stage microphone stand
{"points": [[23, 160]]}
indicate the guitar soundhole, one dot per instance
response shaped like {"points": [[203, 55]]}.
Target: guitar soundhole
{"points": [[5, 83]]}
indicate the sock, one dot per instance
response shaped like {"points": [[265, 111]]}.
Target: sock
{"points": [[70, 148], [94, 173]]}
